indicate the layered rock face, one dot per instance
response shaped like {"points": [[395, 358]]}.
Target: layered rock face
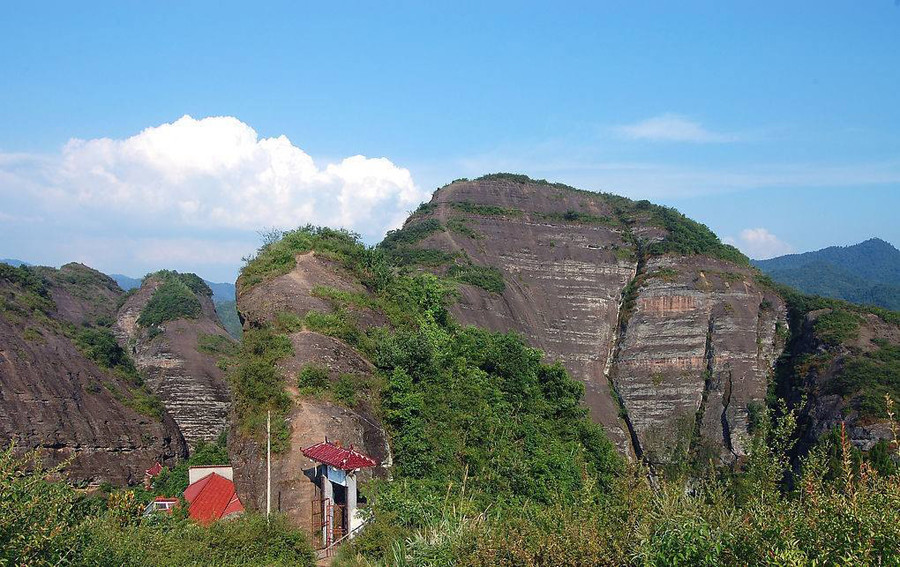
{"points": [[187, 380], [55, 399], [693, 347], [698, 350], [563, 279]]}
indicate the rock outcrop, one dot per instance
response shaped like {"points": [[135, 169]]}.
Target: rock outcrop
{"points": [[310, 418], [55, 398], [666, 344], [176, 365]]}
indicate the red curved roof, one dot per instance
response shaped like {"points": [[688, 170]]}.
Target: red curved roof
{"points": [[338, 457]]}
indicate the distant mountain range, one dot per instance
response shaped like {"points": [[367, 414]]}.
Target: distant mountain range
{"points": [[13, 262], [868, 272]]}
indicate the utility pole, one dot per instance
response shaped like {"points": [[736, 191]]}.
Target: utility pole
{"points": [[268, 464]]}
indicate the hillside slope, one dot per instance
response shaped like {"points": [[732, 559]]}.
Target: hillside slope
{"points": [[866, 273], [66, 387]]}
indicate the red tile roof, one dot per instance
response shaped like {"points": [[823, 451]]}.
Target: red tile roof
{"points": [[154, 470], [211, 498], [339, 457]]}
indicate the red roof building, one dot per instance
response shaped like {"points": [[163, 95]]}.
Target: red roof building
{"points": [[154, 470], [338, 457], [211, 498]]}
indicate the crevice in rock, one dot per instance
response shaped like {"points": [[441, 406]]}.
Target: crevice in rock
{"points": [[726, 427], [709, 357], [625, 310]]}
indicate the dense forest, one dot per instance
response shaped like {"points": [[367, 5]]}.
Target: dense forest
{"points": [[867, 273]]}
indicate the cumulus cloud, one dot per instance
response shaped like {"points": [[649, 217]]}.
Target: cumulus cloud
{"points": [[672, 128], [760, 244], [214, 174]]}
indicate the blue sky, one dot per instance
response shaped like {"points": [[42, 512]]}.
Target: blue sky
{"points": [[777, 124]]}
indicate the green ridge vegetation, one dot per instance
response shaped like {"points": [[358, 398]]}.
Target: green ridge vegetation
{"points": [[175, 298]]}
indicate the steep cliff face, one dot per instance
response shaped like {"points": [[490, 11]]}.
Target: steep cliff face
{"points": [[65, 389], [280, 303], [177, 356], [696, 351], [668, 344]]}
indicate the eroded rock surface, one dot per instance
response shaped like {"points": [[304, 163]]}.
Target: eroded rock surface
{"points": [[696, 349], [56, 400], [192, 387]]}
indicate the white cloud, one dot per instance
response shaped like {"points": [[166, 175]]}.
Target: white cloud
{"points": [[214, 173], [192, 190], [672, 128], [760, 244]]}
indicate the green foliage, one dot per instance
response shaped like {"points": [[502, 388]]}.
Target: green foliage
{"points": [[579, 217], [38, 519], [868, 378], [216, 345], [687, 237], [278, 254], [460, 226], [837, 326], [101, 346], [735, 519], [419, 256], [257, 386], [172, 300], [345, 390], [410, 234], [228, 315], [312, 378], [172, 483], [485, 210], [45, 523], [486, 277], [866, 273]]}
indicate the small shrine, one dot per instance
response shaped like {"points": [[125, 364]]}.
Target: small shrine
{"points": [[336, 507]]}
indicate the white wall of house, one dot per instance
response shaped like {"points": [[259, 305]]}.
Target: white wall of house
{"points": [[196, 473]]}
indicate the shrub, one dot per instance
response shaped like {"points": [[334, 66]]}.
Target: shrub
{"points": [[172, 300], [312, 378], [488, 278]]}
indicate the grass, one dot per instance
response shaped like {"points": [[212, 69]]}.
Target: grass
{"points": [[216, 345], [488, 278], [410, 234], [485, 210]]}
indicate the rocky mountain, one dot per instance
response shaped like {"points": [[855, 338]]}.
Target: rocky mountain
{"points": [[114, 380], [867, 273], [223, 298], [281, 303], [67, 387], [172, 330], [666, 326]]}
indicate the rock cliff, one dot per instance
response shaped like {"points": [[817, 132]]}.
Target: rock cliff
{"points": [[673, 347], [275, 303], [65, 388], [177, 357]]}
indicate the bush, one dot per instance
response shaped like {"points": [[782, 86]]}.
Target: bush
{"points": [[488, 278], [172, 300], [312, 378]]}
